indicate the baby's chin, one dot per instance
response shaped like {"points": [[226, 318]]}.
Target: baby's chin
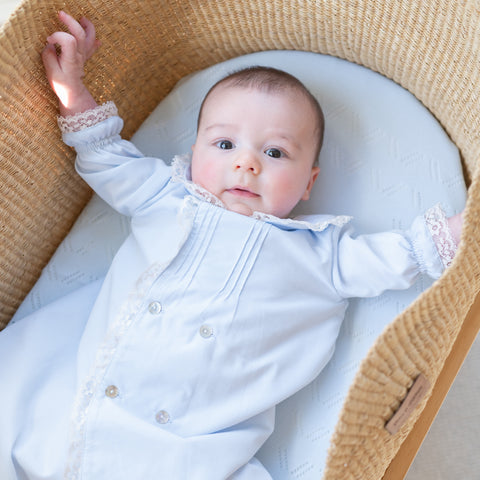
{"points": [[241, 208]]}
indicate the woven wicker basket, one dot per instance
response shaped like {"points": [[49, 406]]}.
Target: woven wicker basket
{"points": [[430, 47]]}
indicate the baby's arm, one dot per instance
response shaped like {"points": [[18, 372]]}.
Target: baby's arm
{"points": [[65, 71], [367, 265], [114, 168]]}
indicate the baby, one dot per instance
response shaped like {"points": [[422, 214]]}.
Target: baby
{"points": [[217, 307]]}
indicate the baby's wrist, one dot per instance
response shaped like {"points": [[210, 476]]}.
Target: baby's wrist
{"points": [[75, 100]]}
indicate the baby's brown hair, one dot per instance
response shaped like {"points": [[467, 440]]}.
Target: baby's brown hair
{"points": [[272, 80]]}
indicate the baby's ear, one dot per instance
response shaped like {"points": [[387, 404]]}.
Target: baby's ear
{"points": [[313, 176]]}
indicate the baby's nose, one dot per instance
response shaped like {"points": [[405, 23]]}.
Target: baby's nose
{"points": [[248, 161]]}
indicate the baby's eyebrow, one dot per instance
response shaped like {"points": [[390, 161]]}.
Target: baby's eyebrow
{"points": [[219, 125], [290, 139]]}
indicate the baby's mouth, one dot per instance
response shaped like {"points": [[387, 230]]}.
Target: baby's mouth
{"points": [[242, 192]]}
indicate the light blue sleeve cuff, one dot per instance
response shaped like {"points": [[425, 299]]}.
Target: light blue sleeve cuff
{"points": [[88, 138]]}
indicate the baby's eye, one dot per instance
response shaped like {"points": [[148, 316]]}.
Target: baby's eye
{"points": [[274, 153], [225, 144]]}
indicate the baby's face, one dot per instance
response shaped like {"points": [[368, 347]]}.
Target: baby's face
{"points": [[255, 150]]}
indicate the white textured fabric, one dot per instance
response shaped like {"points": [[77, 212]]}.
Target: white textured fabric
{"points": [[382, 150]]}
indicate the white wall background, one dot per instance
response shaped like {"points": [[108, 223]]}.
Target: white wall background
{"points": [[6, 7]]}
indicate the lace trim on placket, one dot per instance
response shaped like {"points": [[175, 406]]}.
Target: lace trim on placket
{"points": [[82, 120], [93, 385], [437, 224]]}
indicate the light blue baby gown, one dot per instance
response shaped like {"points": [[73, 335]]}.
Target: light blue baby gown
{"points": [[172, 366]]}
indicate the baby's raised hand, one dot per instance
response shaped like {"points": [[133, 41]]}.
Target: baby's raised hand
{"points": [[65, 70]]}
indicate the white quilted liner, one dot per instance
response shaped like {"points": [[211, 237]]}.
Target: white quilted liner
{"points": [[385, 160]]}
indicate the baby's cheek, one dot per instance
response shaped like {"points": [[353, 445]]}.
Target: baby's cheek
{"points": [[206, 175], [284, 194]]}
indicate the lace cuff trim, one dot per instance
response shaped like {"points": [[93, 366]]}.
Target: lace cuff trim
{"points": [[437, 224], [75, 123]]}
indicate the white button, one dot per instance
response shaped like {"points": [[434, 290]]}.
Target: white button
{"points": [[206, 331], [112, 391], [162, 417], [155, 308]]}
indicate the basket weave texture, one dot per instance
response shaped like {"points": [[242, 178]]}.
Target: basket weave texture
{"points": [[430, 47]]}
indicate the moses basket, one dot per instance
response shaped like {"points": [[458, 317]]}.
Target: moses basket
{"points": [[431, 48]]}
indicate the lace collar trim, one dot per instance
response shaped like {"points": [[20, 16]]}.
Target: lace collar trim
{"points": [[181, 173]]}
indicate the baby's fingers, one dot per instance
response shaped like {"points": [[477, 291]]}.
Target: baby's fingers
{"points": [[91, 43], [74, 27], [50, 61], [68, 49], [84, 33]]}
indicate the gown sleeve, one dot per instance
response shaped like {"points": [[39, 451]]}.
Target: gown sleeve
{"points": [[114, 168], [368, 265]]}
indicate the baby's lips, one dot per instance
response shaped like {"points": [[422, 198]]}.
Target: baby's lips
{"points": [[242, 192]]}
